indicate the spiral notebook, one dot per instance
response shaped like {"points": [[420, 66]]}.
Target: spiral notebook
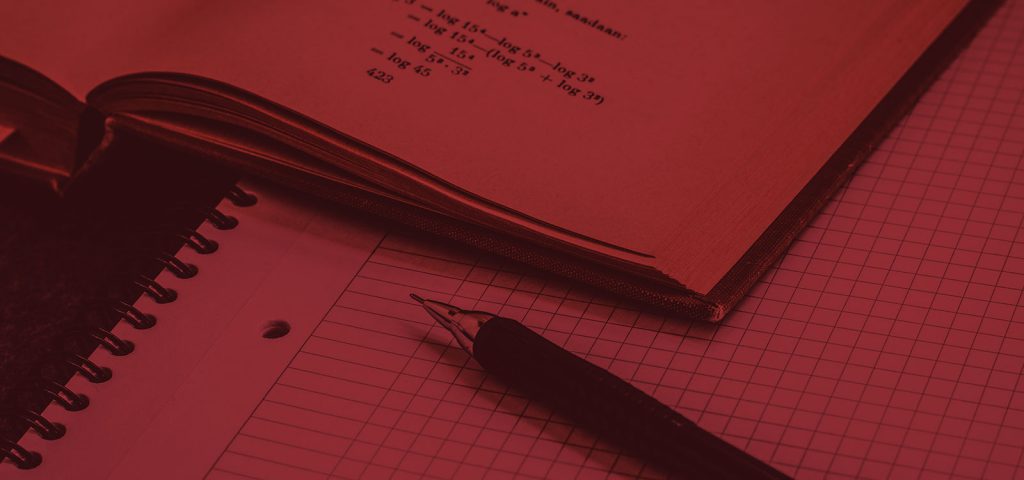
{"points": [[886, 343]]}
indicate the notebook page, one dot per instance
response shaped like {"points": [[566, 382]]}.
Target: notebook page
{"points": [[886, 343], [239, 289]]}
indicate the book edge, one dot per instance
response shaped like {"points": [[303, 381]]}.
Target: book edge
{"points": [[775, 240]]}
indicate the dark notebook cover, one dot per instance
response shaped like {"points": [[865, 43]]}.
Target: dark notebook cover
{"points": [[67, 262]]}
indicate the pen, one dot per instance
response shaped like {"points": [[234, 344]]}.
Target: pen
{"points": [[593, 397]]}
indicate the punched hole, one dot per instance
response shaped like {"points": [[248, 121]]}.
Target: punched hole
{"points": [[276, 329]]}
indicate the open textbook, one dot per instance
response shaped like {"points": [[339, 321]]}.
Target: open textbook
{"points": [[664, 151]]}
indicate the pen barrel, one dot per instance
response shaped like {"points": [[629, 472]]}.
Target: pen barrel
{"points": [[609, 406]]}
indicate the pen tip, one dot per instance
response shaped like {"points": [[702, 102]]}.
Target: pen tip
{"points": [[416, 297]]}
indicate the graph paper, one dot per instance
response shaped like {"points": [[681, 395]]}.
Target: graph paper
{"points": [[888, 342]]}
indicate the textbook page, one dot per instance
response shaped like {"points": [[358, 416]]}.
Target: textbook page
{"points": [[671, 132]]}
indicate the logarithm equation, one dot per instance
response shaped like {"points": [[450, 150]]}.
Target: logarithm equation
{"points": [[432, 43]]}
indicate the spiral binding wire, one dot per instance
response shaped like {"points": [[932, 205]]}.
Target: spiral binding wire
{"points": [[177, 267], [46, 429], [112, 343], [64, 397], [72, 401], [18, 454], [134, 317], [196, 241]]}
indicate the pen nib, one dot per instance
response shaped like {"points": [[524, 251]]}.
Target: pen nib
{"points": [[452, 319]]}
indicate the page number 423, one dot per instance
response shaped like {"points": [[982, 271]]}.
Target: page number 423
{"points": [[381, 75]]}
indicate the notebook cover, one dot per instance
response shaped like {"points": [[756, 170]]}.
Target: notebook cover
{"points": [[64, 261]]}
